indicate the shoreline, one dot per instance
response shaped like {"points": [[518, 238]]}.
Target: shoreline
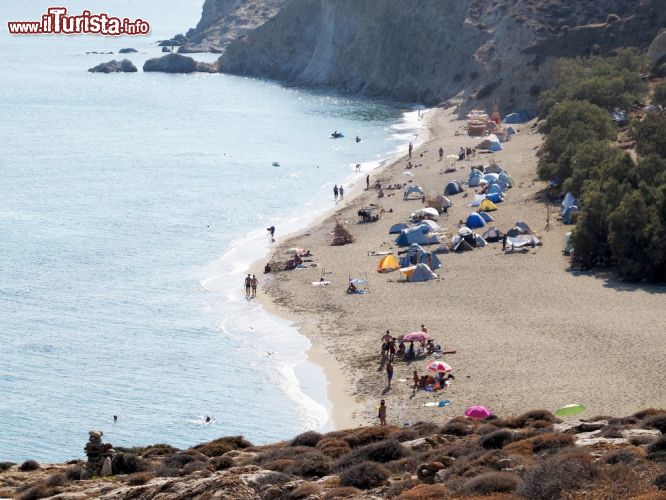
{"points": [[339, 392], [521, 340]]}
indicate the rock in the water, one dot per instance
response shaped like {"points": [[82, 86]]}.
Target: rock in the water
{"points": [[177, 63], [124, 66], [127, 51]]}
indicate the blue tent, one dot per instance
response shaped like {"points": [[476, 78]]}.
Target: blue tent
{"points": [[570, 214], [418, 234], [475, 177], [495, 197], [417, 254], [474, 221], [495, 188], [517, 117], [505, 180], [396, 228], [486, 217], [452, 188], [410, 191]]}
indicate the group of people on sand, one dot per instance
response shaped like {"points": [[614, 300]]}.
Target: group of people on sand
{"points": [[251, 283], [429, 383], [465, 153]]}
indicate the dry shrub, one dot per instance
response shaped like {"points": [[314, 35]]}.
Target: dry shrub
{"points": [[221, 446], [486, 429], [383, 451], [648, 412], [313, 464], [341, 235], [29, 466], [458, 428], [621, 456], [297, 460], [195, 466], [655, 422], [658, 446], [541, 442], [279, 465], [497, 439], [540, 424], [558, 474], [424, 428], [364, 476], [492, 482], [527, 419], [40, 490], [222, 463], [272, 478], [368, 435], [309, 438], [397, 487], [125, 463], [6, 466], [73, 473], [622, 421], [56, 480], [660, 481], [139, 478], [156, 450], [406, 435], [426, 492], [341, 492], [611, 431], [306, 490], [462, 449], [291, 452]]}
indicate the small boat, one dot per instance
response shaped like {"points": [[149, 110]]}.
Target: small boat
{"points": [[336, 135], [275, 164]]}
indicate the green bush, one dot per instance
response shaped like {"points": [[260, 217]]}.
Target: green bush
{"points": [[660, 94]]}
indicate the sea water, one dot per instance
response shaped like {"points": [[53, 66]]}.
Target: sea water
{"points": [[131, 205]]}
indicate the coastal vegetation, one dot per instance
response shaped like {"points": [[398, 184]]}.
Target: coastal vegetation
{"points": [[534, 455], [621, 191]]}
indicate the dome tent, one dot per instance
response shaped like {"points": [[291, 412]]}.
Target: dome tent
{"points": [[486, 216], [396, 228], [474, 220], [418, 234], [419, 272], [452, 188], [416, 254], [474, 177], [412, 193], [387, 264]]}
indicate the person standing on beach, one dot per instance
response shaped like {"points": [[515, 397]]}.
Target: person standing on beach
{"points": [[382, 413], [271, 231], [342, 192], [248, 285], [387, 337], [335, 192], [411, 147], [389, 373], [441, 153], [254, 282], [367, 182]]}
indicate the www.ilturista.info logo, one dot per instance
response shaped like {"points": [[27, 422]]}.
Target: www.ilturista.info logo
{"points": [[56, 21]]}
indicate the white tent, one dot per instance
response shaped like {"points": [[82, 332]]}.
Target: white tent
{"points": [[412, 192]]}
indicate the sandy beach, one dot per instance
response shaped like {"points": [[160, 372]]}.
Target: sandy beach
{"points": [[528, 332]]}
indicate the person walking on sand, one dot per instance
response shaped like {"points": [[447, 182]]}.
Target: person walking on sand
{"points": [[382, 413], [342, 192], [411, 147], [415, 379], [367, 182], [271, 231], [248, 285], [441, 153], [335, 192], [389, 373], [387, 337], [254, 282]]}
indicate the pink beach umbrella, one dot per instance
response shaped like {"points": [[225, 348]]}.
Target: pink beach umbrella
{"points": [[416, 337], [439, 366], [478, 412]]}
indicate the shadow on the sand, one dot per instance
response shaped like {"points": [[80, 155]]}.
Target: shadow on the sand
{"points": [[611, 280]]}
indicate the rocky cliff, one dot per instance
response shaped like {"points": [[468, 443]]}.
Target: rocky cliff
{"points": [[431, 50], [223, 21]]}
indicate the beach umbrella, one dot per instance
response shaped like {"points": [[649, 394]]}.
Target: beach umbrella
{"points": [[416, 337], [408, 173], [478, 412], [570, 410], [440, 367], [451, 157]]}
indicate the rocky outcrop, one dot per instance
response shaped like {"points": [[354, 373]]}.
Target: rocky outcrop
{"points": [[177, 63], [223, 21], [433, 50], [128, 50], [124, 66]]}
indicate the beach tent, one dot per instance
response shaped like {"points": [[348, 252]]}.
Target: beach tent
{"points": [[487, 206], [517, 117], [396, 228], [568, 243], [518, 229], [568, 201], [495, 198], [493, 168], [505, 180], [493, 235], [419, 272], [445, 201], [495, 188], [474, 220], [425, 213], [462, 246], [522, 240], [434, 227], [452, 188], [480, 242], [570, 215], [486, 216], [418, 234], [490, 143], [474, 177], [387, 264], [490, 178], [412, 193], [510, 131], [416, 254], [477, 199]]}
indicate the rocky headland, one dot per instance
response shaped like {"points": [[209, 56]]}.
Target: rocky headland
{"points": [[124, 66]]}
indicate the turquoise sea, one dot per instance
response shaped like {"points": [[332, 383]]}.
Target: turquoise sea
{"points": [[130, 207]]}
